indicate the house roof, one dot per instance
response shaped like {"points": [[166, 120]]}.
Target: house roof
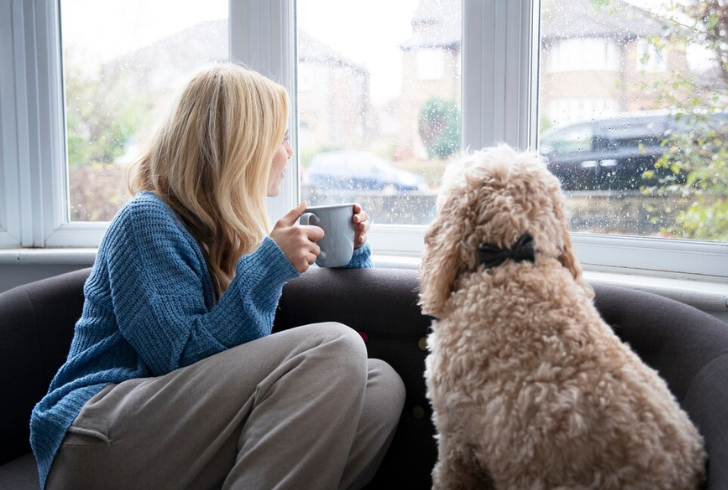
{"points": [[207, 42], [311, 49], [436, 23], [585, 18]]}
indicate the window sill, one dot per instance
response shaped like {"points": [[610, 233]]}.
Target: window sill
{"points": [[83, 257]]}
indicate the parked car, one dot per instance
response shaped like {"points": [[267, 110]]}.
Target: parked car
{"points": [[613, 153], [360, 171]]}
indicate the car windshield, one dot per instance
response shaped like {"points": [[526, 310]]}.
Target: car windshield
{"points": [[568, 140]]}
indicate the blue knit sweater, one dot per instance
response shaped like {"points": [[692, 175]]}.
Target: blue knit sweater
{"points": [[150, 309]]}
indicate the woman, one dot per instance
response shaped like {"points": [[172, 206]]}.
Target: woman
{"points": [[173, 379]]}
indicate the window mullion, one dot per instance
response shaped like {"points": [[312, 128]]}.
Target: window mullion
{"points": [[500, 59], [10, 187], [35, 149], [51, 121], [262, 34], [27, 142]]}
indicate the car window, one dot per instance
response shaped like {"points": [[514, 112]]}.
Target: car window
{"points": [[569, 140], [635, 133]]}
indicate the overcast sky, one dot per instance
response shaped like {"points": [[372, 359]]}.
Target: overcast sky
{"points": [[366, 31], [103, 30]]}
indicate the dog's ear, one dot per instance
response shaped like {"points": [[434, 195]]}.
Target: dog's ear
{"points": [[568, 259], [440, 263]]}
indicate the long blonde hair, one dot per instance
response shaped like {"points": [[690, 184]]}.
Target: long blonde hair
{"points": [[211, 158]]}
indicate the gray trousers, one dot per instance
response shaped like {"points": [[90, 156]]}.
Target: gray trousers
{"points": [[300, 409]]}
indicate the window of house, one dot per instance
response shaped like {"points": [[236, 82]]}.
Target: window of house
{"points": [[650, 57], [430, 64], [306, 76], [576, 53]]}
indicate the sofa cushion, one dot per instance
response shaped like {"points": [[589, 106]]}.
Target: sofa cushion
{"points": [[20, 474]]}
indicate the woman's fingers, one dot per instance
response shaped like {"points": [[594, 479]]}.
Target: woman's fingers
{"points": [[297, 242], [361, 225]]}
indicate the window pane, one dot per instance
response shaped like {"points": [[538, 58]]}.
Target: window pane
{"points": [[378, 103], [123, 60], [634, 114]]}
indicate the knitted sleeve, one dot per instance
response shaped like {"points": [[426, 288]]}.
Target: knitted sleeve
{"points": [[361, 258], [161, 292]]}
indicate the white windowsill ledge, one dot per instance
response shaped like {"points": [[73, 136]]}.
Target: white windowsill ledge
{"points": [[44, 256], [711, 297]]}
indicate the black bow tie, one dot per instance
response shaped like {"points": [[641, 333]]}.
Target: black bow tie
{"points": [[492, 256]]}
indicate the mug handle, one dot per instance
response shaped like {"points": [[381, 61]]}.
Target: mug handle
{"points": [[309, 219]]}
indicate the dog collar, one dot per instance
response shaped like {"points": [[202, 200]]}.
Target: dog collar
{"points": [[493, 256]]}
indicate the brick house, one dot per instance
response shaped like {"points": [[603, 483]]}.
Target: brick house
{"points": [[594, 61]]}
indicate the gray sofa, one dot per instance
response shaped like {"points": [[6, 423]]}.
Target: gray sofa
{"points": [[688, 347]]}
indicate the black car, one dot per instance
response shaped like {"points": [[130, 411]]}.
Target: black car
{"points": [[614, 153]]}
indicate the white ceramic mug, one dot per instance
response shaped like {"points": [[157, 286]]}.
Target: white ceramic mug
{"points": [[337, 245]]}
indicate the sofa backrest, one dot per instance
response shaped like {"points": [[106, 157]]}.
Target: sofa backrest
{"points": [[689, 349]]}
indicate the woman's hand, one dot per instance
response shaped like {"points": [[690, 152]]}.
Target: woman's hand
{"points": [[361, 226], [297, 242]]}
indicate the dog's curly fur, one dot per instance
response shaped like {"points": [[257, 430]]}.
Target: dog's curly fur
{"points": [[531, 390]]}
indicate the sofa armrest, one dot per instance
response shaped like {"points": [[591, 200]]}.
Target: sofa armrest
{"points": [[36, 328]]}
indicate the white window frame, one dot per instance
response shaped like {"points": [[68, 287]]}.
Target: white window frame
{"points": [[33, 134], [500, 81]]}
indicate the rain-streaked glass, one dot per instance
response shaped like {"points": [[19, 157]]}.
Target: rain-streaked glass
{"points": [[633, 103], [379, 103], [123, 61]]}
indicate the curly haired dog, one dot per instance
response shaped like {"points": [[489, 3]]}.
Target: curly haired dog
{"points": [[531, 390]]}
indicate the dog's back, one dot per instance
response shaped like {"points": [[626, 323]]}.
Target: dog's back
{"points": [[547, 394], [525, 378]]}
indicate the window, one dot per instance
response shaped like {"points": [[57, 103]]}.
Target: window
{"points": [[647, 163], [583, 53], [650, 57], [502, 95], [122, 65], [430, 64], [385, 116]]}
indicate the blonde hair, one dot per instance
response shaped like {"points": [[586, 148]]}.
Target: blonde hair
{"points": [[210, 161]]}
